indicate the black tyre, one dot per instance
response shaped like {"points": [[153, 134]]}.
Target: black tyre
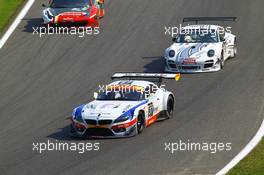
{"points": [[140, 123], [222, 61], [170, 107], [235, 50]]}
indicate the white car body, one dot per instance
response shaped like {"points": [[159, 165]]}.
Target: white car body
{"points": [[98, 118], [193, 57]]}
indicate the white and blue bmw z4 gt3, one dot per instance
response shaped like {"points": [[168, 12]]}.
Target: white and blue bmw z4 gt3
{"points": [[124, 108]]}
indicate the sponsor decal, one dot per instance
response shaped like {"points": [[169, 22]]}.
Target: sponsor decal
{"points": [[189, 61]]}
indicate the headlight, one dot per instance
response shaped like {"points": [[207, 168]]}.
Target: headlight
{"points": [[85, 14], [210, 53], [123, 118], [171, 53], [49, 15]]}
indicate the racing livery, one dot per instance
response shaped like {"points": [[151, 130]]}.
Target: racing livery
{"points": [[201, 48], [124, 108], [71, 13]]}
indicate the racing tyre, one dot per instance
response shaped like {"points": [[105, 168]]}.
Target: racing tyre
{"points": [[222, 61], [170, 108], [140, 123], [234, 50]]}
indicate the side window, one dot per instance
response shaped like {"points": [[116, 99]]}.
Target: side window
{"points": [[150, 109], [151, 90], [221, 35], [147, 92]]}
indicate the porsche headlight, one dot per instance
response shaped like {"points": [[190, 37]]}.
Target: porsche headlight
{"points": [[210, 53], [123, 118], [48, 14], [171, 53]]}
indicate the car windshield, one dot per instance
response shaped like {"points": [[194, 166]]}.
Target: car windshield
{"points": [[69, 3], [121, 96], [198, 36]]}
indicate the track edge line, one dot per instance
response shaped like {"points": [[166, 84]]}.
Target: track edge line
{"points": [[16, 22], [244, 152]]}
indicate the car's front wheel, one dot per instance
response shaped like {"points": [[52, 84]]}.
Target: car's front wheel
{"points": [[140, 123]]}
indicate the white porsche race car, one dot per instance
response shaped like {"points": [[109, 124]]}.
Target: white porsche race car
{"points": [[201, 48], [124, 108]]}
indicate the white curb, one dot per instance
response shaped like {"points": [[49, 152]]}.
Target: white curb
{"points": [[16, 22]]}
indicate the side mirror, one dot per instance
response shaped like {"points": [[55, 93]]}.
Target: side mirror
{"points": [[43, 5], [101, 2], [95, 95], [174, 40]]}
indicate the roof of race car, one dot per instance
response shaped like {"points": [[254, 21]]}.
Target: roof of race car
{"points": [[138, 83], [202, 26]]}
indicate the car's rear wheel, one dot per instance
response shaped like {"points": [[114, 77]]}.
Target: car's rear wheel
{"points": [[140, 123], [222, 61], [170, 108], [234, 50]]}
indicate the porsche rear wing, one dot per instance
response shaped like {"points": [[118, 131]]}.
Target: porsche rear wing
{"points": [[198, 19], [155, 77]]}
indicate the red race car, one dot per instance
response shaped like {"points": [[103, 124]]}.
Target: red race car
{"points": [[73, 13]]}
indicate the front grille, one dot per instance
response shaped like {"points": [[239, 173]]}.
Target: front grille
{"points": [[104, 122], [189, 67], [208, 65], [90, 122], [73, 24], [98, 132], [172, 65]]}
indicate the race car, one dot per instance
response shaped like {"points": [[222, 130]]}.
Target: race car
{"points": [[124, 107], [73, 13], [201, 48]]}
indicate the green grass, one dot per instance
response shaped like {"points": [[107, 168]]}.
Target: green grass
{"points": [[8, 9], [253, 164]]}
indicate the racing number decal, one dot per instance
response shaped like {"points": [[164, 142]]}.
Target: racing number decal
{"points": [[150, 109]]}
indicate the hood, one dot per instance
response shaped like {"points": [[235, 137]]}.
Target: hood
{"points": [[192, 51], [107, 109], [69, 11]]}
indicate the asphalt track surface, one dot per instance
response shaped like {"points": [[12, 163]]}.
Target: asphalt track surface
{"points": [[43, 79]]}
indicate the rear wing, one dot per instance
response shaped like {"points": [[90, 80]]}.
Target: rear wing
{"points": [[198, 19], [156, 77]]}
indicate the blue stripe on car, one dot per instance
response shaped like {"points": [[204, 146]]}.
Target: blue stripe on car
{"points": [[132, 110]]}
